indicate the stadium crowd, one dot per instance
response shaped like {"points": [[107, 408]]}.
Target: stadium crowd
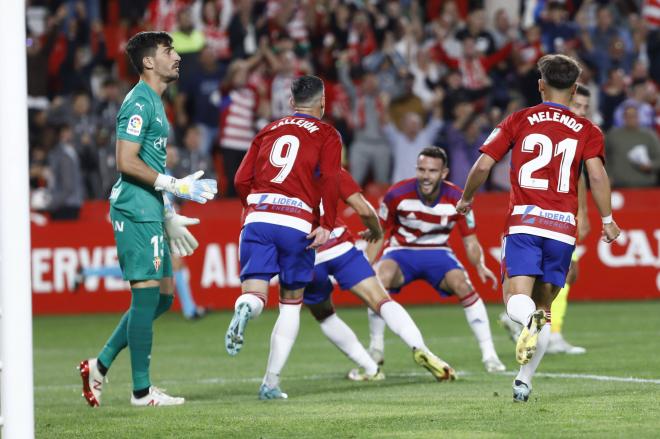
{"points": [[400, 75]]}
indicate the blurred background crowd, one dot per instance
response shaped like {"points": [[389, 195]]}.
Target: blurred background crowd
{"points": [[400, 75]]}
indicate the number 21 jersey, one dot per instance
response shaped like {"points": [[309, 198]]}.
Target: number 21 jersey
{"points": [[548, 145], [292, 163]]}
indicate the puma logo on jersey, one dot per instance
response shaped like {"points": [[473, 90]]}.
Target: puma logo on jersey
{"points": [[140, 106]]}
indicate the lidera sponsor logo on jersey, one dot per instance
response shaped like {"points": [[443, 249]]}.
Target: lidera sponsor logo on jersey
{"points": [[531, 213], [555, 116]]}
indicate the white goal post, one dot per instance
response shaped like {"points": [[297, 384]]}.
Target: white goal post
{"points": [[16, 382]]}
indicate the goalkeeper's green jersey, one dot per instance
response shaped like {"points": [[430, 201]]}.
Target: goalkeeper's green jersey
{"points": [[142, 120]]}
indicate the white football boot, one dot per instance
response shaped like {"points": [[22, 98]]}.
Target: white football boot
{"points": [[92, 381], [156, 398]]}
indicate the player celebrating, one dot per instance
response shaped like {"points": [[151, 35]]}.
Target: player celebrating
{"points": [[420, 214], [142, 220], [277, 183], [557, 344], [548, 143], [339, 258]]}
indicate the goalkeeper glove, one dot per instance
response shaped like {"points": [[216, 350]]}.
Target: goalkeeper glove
{"points": [[190, 187], [182, 242]]}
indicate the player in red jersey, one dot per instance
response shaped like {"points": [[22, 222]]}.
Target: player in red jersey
{"points": [[420, 213], [277, 183], [549, 143], [352, 270]]}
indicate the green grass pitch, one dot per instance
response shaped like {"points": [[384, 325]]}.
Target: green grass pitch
{"points": [[623, 340]]}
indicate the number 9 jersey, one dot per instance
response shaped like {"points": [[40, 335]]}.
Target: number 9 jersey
{"points": [[279, 178], [548, 146]]}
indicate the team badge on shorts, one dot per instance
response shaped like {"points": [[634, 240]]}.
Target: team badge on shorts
{"points": [[156, 263]]}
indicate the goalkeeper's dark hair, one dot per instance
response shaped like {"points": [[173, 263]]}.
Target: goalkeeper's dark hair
{"points": [[559, 71], [582, 90], [145, 44], [305, 90], [436, 152]]}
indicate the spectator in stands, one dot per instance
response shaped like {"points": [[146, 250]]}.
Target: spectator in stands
{"points": [[472, 65], [613, 94], [408, 102], [475, 29], [557, 31], [191, 158], [464, 136], [244, 28], [525, 58], [503, 28], [81, 59], [189, 42], [214, 28], [240, 107], [633, 152], [653, 53], [198, 100], [427, 76], [389, 66], [369, 149], [105, 174], [607, 39], [107, 105], [639, 93], [66, 183], [285, 67], [410, 140]]}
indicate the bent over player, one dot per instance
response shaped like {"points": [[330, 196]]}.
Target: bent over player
{"points": [[277, 183], [352, 270], [143, 220], [548, 142], [420, 214]]}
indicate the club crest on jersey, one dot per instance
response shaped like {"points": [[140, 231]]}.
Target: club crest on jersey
{"points": [[134, 126], [157, 263]]}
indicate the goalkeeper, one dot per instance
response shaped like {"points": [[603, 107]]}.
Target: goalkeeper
{"points": [[144, 221]]}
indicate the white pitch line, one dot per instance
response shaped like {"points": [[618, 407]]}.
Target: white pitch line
{"points": [[224, 380]]}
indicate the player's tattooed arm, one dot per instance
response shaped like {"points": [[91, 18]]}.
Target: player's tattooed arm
{"points": [[476, 178], [475, 255]]}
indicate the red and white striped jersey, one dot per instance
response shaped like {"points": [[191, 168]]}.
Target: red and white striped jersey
{"points": [[237, 117], [548, 144], [651, 12], [342, 239], [292, 164], [415, 224]]}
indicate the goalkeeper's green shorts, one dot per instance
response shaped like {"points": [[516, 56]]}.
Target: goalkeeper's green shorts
{"points": [[141, 248]]}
